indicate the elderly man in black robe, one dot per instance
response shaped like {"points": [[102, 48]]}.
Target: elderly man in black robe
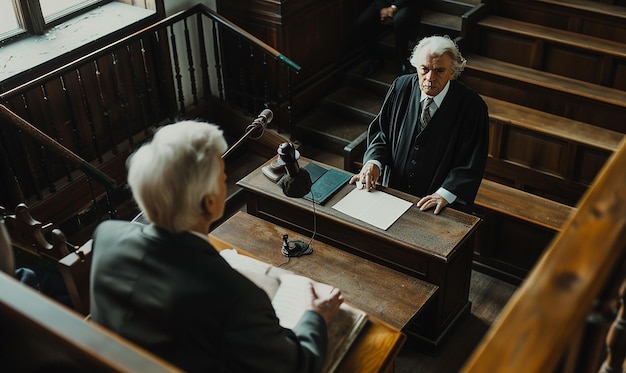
{"points": [[438, 153]]}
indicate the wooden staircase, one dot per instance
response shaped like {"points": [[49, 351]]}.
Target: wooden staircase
{"points": [[542, 35], [345, 112], [550, 133]]}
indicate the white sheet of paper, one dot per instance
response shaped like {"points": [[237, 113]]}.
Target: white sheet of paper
{"points": [[377, 208]]}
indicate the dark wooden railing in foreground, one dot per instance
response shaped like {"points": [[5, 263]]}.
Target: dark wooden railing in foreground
{"points": [[47, 337], [100, 107], [543, 328]]}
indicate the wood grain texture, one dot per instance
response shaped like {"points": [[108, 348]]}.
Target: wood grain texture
{"points": [[397, 299], [540, 320]]}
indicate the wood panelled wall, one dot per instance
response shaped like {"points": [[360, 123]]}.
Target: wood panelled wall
{"points": [[317, 35]]}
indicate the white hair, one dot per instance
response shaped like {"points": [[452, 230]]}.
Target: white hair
{"points": [[438, 46], [170, 175]]}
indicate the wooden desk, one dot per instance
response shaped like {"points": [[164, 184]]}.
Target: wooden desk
{"points": [[390, 305], [434, 248]]}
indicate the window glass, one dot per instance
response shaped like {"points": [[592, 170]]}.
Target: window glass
{"points": [[8, 18], [52, 9]]}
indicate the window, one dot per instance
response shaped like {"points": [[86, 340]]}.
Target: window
{"points": [[20, 17]]}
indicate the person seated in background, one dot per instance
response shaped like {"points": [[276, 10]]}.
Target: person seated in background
{"points": [[163, 286], [403, 16], [431, 136]]}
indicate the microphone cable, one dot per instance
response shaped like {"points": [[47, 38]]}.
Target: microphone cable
{"points": [[308, 246]]}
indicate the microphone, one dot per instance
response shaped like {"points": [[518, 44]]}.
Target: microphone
{"points": [[254, 130], [260, 123]]}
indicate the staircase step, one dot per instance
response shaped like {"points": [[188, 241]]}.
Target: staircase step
{"points": [[329, 131], [344, 114], [377, 84], [559, 95], [440, 20], [555, 36], [354, 103]]}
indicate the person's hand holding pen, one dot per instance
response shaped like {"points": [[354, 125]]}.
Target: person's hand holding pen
{"points": [[367, 178]]}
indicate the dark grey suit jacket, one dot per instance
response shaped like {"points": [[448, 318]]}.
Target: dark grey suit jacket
{"points": [[174, 295]]}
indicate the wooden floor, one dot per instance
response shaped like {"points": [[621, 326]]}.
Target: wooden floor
{"points": [[488, 295]]}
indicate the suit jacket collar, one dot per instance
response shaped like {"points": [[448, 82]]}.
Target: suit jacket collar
{"points": [[185, 239]]}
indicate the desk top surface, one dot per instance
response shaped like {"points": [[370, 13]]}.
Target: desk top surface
{"points": [[385, 293], [389, 304], [438, 235]]}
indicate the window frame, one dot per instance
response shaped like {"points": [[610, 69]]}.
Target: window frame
{"points": [[32, 22]]}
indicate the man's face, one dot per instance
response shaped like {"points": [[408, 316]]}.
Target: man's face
{"points": [[434, 73], [217, 208]]}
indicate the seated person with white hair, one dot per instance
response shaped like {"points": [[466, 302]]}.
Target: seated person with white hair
{"points": [[164, 287]]}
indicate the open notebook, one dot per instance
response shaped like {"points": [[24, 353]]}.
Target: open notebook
{"points": [[285, 289]]}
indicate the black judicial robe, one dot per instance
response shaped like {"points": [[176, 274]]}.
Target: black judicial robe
{"points": [[451, 152]]}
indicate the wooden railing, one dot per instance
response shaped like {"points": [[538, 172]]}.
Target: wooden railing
{"points": [[101, 106], [544, 327]]}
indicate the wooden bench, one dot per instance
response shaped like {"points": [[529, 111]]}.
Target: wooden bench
{"points": [[598, 19], [75, 268], [32, 237], [541, 153], [547, 155], [566, 97], [42, 246], [517, 228], [43, 336], [552, 50]]}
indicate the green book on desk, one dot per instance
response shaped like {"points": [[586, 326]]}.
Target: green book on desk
{"points": [[326, 181]]}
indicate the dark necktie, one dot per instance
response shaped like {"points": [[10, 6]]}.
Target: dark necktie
{"points": [[425, 117]]}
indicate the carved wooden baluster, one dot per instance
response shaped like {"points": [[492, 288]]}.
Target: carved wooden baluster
{"points": [[138, 90], [616, 338], [148, 82], [28, 159], [122, 96], [242, 86], [90, 122], [43, 157], [54, 128], [104, 106], [204, 62], [190, 68], [290, 103], [218, 62], [78, 143], [178, 76], [267, 96], [14, 193], [252, 105]]}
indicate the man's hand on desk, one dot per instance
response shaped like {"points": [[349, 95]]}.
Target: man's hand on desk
{"points": [[367, 178], [430, 201], [328, 306]]}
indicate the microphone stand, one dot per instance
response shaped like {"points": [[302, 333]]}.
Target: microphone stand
{"points": [[253, 131]]}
